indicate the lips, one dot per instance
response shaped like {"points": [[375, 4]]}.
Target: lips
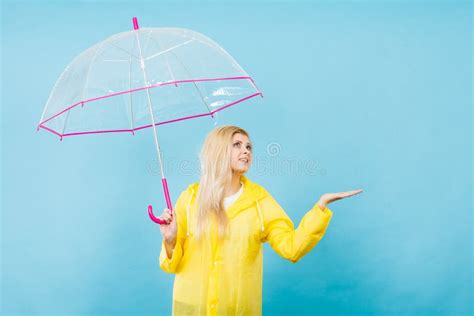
{"points": [[244, 160]]}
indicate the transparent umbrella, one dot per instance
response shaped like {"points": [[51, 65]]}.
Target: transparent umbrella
{"points": [[141, 79]]}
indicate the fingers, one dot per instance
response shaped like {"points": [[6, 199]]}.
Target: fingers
{"points": [[167, 216], [331, 197], [351, 193]]}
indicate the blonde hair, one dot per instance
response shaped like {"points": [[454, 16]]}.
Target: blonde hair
{"points": [[216, 176]]}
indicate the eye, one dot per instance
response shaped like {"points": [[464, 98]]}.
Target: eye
{"points": [[237, 144], [249, 148]]}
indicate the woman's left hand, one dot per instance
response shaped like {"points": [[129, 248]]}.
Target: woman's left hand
{"points": [[327, 198]]}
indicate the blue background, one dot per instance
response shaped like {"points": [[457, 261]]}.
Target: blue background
{"points": [[371, 95]]}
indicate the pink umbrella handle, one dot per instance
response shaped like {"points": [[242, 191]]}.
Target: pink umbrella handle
{"points": [[167, 194], [153, 217], [168, 204]]}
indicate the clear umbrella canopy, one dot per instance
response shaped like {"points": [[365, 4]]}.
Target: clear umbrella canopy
{"points": [[143, 78], [106, 88]]}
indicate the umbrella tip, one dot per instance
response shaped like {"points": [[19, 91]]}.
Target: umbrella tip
{"points": [[135, 23]]}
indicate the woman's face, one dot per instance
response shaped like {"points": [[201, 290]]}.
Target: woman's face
{"points": [[241, 153]]}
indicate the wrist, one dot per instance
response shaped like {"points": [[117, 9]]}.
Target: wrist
{"points": [[169, 249], [322, 204], [170, 241]]}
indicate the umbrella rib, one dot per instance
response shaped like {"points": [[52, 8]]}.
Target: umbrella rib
{"points": [[130, 87], [212, 44], [194, 83], [123, 50], [114, 60], [65, 122], [170, 49], [167, 62], [147, 42], [234, 62], [85, 85]]}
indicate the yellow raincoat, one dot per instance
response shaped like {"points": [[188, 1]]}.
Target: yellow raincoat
{"points": [[225, 277]]}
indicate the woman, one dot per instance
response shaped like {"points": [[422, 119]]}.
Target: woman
{"points": [[213, 239]]}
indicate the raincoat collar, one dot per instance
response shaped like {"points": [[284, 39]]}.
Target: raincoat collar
{"points": [[251, 195]]}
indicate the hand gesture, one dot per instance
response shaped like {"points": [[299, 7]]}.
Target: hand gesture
{"points": [[327, 198]]}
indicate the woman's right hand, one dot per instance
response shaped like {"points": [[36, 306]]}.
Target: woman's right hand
{"points": [[169, 229]]}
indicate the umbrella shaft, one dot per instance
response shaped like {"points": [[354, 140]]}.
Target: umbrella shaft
{"points": [[155, 135], [150, 107]]}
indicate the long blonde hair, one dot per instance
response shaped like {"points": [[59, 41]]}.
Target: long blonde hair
{"points": [[216, 176]]}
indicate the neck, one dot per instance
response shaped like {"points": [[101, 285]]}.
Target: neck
{"points": [[234, 185]]}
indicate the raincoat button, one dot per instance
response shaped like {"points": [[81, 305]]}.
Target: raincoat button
{"points": [[213, 306]]}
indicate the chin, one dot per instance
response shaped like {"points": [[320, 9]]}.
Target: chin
{"points": [[240, 171]]}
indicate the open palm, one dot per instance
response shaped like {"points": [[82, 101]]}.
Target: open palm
{"points": [[327, 198]]}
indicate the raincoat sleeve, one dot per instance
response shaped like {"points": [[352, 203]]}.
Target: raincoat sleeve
{"points": [[279, 231], [170, 265]]}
